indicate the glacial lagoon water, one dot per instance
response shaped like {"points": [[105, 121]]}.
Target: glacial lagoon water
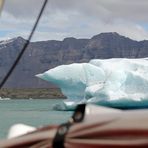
{"points": [[39, 112], [34, 112]]}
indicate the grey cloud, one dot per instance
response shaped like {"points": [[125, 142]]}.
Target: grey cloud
{"points": [[134, 10], [22, 8], [79, 18]]}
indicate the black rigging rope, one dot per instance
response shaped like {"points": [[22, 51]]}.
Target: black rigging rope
{"points": [[24, 47]]}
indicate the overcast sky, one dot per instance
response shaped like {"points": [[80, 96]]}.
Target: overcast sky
{"points": [[75, 18]]}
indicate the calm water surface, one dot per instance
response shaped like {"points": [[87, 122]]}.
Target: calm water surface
{"points": [[32, 112]]}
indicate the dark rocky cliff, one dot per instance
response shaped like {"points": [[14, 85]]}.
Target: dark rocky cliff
{"points": [[43, 55]]}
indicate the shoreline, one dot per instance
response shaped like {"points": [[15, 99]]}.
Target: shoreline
{"points": [[31, 93]]}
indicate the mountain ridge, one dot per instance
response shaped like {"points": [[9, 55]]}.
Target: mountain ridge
{"points": [[43, 55]]}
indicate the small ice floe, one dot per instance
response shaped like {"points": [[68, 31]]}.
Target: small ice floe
{"points": [[4, 98], [19, 129]]}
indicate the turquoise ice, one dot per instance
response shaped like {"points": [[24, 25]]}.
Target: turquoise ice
{"points": [[112, 82]]}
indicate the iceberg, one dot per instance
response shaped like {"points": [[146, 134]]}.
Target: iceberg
{"points": [[116, 82]]}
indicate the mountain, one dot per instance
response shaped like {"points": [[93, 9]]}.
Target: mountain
{"points": [[43, 55]]}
